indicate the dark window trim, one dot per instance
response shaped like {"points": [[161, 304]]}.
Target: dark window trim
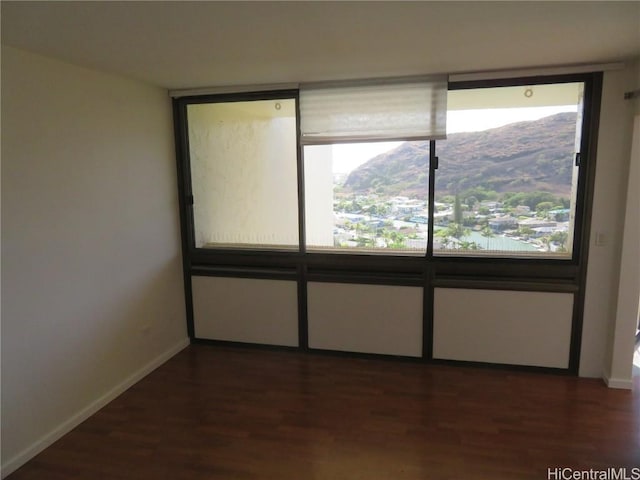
{"points": [[522, 81], [207, 255], [592, 87], [183, 173], [492, 283], [180, 107], [238, 97], [377, 278], [429, 270], [584, 208], [244, 272]]}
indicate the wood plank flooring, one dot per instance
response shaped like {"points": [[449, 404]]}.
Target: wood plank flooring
{"points": [[229, 413]]}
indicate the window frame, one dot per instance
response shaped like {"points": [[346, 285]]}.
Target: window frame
{"points": [[428, 271], [382, 252], [181, 126], [287, 256], [592, 92]]}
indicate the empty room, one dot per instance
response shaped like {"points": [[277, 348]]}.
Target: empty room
{"points": [[323, 240]]}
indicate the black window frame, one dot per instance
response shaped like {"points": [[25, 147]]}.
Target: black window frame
{"points": [[429, 271], [592, 93]]}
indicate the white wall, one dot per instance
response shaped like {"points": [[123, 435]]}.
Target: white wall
{"points": [[618, 367], [603, 272], [91, 271], [318, 190]]}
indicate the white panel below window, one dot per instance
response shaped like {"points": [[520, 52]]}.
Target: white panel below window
{"points": [[500, 326], [246, 310], [379, 319]]}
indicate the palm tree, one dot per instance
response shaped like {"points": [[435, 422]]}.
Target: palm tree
{"points": [[464, 245], [457, 230], [487, 231], [393, 239]]}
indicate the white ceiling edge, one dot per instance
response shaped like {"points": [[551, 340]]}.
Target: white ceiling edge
{"points": [[454, 77], [186, 45], [536, 71]]}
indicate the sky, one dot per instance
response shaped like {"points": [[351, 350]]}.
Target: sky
{"points": [[349, 156]]}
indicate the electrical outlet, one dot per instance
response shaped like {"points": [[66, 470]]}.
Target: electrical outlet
{"points": [[601, 239]]}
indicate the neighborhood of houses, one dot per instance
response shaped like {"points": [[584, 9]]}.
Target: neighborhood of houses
{"points": [[370, 222]]}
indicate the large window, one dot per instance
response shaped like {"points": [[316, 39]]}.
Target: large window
{"points": [[456, 192], [508, 175], [243, 159], [346, 168]]}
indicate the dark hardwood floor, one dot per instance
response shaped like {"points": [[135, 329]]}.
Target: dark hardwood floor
{"points": [[230, 413]]}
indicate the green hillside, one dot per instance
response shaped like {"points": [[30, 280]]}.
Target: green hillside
{"points": [[520, 157]]}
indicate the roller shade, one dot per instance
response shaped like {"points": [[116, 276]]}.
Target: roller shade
{"points": [[388, 109]]}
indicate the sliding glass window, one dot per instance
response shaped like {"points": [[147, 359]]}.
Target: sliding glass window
{"points": [[508, 177]]}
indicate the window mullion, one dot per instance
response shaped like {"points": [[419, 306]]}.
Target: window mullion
{"points": [[302, 228], [433, 165]]}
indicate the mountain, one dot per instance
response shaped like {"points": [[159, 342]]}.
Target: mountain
{"points": [[519, 157]]}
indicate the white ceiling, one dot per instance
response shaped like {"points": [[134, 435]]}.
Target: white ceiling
{"points": [[198, 44]]}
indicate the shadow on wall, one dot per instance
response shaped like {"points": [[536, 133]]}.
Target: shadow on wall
{"points": [[140, 321], [146, 315]]}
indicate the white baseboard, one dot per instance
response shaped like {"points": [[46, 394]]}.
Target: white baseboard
{"points": [[48, 439], [622, 383]]}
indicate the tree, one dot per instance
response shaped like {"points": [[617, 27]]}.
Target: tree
{"points": [[469, 222], [487, 231], [471, 201], [379, 209], [560, 238], [395, 240], [457, 210], [365, 242], [456, 230], [354, 207], [480, 193], [464, 245], [525, 231], [445, 239], [530, 199], [544, 207]]}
